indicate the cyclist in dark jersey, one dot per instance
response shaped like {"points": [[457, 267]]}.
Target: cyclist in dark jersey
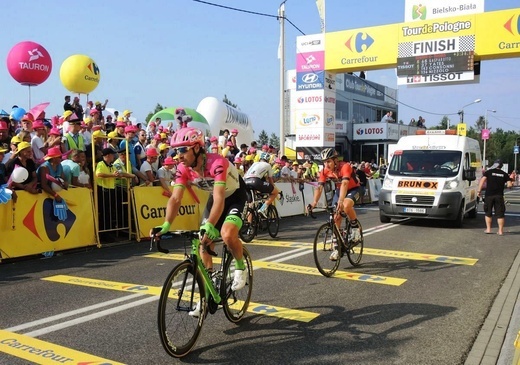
{"points": [[213, 173]]}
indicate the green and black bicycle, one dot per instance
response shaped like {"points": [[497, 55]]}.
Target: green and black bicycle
{"points": [[191, 288]]}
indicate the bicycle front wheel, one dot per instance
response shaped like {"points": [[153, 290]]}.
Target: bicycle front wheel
{"points": [[181, 294], [354, 250], [273, 221], [249, 229], [235, 303], [326, 254]]}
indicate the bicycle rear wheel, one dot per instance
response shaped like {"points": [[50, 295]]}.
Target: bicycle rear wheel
{"points": [[249, 229], [354, 250], [235, 303], [324, 249], [273, 221], [178, 330]]}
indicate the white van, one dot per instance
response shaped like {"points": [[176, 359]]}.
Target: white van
{"points": [[433, 175]]}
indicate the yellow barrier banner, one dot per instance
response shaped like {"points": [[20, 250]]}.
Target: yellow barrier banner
{"points": [[150, 209], [30, 227]]}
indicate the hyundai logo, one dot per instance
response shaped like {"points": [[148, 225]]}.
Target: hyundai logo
{"points": [[310, 78]]}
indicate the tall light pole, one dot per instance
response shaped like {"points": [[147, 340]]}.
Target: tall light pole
{"points": [[281, 18], [487, 135], [461, 111]]}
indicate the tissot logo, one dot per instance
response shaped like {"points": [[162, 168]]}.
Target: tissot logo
{"points": [[310, 78]]}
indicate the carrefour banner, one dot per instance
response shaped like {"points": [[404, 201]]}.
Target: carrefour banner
{"points": [[30, 227], [150, 209], [361, 49], [498, 34]]}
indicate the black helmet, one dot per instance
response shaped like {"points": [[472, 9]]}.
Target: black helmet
{"points": [[328, 153]]}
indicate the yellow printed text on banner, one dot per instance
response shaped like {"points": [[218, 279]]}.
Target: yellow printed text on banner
{"points": [[42, 352], [150, 209], [361, 49], [29, 226], [498, 34]]}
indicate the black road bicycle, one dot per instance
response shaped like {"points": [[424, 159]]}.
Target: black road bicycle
{"points": [[190, 287], [331, 243], [255, 221]]}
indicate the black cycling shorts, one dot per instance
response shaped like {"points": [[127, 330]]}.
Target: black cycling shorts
{"points": [[495, 202], [260, 185], [233, 205]]}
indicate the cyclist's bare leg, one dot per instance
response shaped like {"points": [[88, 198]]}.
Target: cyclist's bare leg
{"points": [[229, 234], [206, 258], [348, 208], [272, 196]]}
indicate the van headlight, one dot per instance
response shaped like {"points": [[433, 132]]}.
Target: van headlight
{"points": [[388, 182], [450, 185]]}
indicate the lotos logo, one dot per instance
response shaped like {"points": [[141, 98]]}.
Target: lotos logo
{"points": [[361, 131], [309, 99], [419, 12], [308, 120], [362, 39], [93, 68], [510, 25]]}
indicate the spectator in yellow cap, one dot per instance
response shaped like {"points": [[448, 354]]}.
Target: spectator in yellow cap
{"points": [[113, 142], [24, 158]]}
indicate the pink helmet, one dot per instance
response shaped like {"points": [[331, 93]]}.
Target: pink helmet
{"points": [[187, 137], [234, 130]]}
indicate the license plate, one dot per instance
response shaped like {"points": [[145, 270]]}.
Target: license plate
{"points": [[415, 210]]}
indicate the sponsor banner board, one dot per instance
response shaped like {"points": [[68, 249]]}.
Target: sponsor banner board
{"points": [[310, 80], [310, 43], [310, 61], [432, 9], [461, 76], [314, 137]]}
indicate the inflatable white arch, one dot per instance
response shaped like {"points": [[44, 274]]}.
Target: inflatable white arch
{"points": [[221, 116]]}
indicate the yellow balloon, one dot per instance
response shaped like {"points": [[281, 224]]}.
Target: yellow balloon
{"points": [[80, 74]]}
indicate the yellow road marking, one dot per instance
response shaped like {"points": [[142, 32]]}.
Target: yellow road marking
{"points": [[257, 308], [42, 352], [379, 252], [378, 279]]}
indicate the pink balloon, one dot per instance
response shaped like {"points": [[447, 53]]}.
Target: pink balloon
{"points": [[29, 63]]}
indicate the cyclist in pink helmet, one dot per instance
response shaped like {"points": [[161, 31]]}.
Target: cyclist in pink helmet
{"points": [[213, 173]]}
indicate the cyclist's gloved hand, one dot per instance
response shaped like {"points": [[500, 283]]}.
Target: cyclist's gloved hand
{"points": [[210, 231], [165, 228]]}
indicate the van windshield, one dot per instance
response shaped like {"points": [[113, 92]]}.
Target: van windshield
{"points": [[425, 163]]}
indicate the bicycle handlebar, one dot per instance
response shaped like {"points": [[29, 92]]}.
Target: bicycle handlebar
{"points": [[309, 210], [157, 240]]}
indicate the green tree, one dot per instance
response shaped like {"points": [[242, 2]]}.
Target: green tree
{"points": [[157, 109], [228, 102], [274, 141], [263, 138]]}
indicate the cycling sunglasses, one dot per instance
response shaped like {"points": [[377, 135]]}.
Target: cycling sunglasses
{"points": [[183, 149]]}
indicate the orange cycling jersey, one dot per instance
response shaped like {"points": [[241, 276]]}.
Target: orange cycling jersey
{"points": [[343, 172]]}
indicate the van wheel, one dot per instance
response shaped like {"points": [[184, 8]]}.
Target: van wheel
{"points": [[473, 213], [383, 218], [457, 223]]}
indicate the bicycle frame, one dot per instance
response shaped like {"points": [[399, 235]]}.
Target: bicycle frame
{"points": [[194, 256]]}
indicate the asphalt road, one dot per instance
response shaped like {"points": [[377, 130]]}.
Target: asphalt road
{"points": [[420, 297]]}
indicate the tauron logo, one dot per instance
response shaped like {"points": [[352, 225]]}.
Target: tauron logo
{"points": [[419, 12], [511, 26], [363, 41], [34, 54]]}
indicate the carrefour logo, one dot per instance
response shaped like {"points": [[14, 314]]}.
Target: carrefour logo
{"points": [[513, 25], [93, 68], [419, 12], [359, 42]]}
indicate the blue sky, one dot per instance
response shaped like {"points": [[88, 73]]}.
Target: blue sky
{"points": [[177, 52]]}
